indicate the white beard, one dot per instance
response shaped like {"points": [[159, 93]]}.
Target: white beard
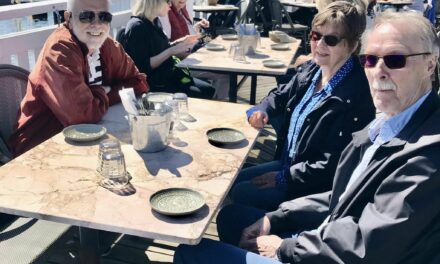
{"points": [[382, 85], [93, 44]]}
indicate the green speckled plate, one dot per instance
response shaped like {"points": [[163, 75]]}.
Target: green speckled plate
{"points": [[214, 47], [176, 201], [223, 135], [273, 63], [84, 132], [229, 36]]}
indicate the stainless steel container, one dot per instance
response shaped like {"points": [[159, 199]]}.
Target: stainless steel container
{"points": [[150, 133]]}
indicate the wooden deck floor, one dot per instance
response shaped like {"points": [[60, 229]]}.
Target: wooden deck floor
{"points": [[125, 249]]}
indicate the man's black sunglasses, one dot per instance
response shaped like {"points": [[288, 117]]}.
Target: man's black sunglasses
{"points": [[89, 16], [394, 61], [330, 40]]}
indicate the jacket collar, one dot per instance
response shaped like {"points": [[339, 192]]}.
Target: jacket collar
{"points": [[340, 92], [431, 104]]}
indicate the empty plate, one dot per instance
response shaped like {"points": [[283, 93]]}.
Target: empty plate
{"points": [[84, 132], [224, 136], [214, 47], [229, 37], [273, 63], [280, 46], [176, 201]]}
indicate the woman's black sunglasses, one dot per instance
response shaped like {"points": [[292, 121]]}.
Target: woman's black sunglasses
{"points": [[394, 61], [330, 40], [89, 16]]}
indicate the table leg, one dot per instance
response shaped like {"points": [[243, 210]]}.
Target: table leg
{"points": [[253, 89], [233, 87], [89, 246]]}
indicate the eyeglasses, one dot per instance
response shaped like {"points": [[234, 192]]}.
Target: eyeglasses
{"points": [[330, 40], [394, 61], [89, 16]]}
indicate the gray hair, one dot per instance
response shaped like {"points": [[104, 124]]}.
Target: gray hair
{"points": [[71, 4], [146, 8], [418, 27]]}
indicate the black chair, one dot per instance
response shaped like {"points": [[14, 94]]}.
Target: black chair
{"points": [[279, 15], [13, 82]]}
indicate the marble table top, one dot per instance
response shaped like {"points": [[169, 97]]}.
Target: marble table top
{"points": [[57, 180], [204, 59]]}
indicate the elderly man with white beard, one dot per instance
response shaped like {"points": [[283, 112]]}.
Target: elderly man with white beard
{"points": [[76, 77], [385, 203]]}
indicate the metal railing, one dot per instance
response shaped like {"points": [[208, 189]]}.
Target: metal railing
{"points": [[22, 48]]}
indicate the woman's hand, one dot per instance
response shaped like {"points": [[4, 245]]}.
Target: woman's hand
{"points": [[201, 24], [258, 119], [181, 48], [187, 39]]}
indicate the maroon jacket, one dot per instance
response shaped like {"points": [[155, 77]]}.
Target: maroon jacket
{"points": [[58, 93]]}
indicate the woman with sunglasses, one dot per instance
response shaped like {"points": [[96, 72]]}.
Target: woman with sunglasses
{"points": [[315, 114], [154, 55]]}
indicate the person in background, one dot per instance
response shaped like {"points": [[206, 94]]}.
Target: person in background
{"points": [[314, 114], [76, 77], [154, 55], [177, 25], [384, 207]]}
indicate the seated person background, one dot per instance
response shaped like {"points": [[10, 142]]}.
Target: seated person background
{"points": [[177, 25], [315, 114], [153, 54], [385, 203], [76, 77]]}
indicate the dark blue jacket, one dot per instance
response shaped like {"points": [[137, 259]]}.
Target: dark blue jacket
{"points": [[327, 129]]}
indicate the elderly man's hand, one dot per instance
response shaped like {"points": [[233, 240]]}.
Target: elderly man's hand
{"points": [[266, 180], [268, 245], [258, 119], [250, 233]]}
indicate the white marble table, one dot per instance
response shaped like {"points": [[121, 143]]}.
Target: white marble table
{"points": [[56, 180], [220, 61]]}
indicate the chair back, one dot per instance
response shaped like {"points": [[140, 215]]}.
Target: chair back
{"points": [[13, 82]]}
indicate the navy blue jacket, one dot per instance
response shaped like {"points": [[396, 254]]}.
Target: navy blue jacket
{"points": [[327, 129]]}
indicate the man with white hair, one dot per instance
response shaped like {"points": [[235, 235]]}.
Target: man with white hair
{"points": [[385, 202], [76, 77]]}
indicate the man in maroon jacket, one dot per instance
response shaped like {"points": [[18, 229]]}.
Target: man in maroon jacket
{"points": [[76, 78]]}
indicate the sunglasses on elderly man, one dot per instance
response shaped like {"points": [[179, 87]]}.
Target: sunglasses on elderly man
{"points": [[394, 61], [89, 16], [330, 40]]}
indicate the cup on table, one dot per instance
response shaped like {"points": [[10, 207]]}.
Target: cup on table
{"points": [[232, 49], [175, 119], [111, 164], [182, 99], [239, 54]]}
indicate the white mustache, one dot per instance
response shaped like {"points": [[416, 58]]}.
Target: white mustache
{"points": [[382, 85]]}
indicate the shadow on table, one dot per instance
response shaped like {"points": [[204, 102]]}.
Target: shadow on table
{"points": [[258, 56], [242, 144], [168, 159], [184, 219]]}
